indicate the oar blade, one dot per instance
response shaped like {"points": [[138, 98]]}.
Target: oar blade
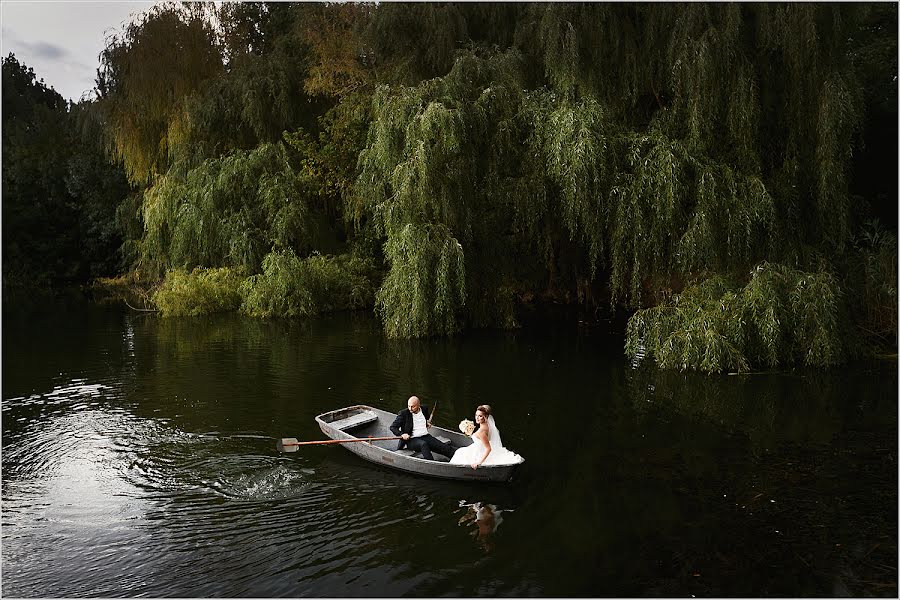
{"points": [[287, 445]]}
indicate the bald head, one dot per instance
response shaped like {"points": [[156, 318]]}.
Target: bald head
{"points": [[413, 404]]}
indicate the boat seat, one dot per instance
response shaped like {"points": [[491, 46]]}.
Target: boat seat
{"points": [[355, 420]]}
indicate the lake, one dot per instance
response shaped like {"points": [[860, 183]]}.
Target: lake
{"points": [[138, 459]]}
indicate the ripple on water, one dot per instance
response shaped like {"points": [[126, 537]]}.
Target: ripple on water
{"points": [[216, 465], [112, 477], [270, 483]]}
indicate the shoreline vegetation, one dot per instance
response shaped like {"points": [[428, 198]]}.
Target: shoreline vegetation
{"points": [[724, 175]]}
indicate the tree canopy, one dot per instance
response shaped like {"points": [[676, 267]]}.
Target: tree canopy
{"points": [[59, 192], [626, 157]]}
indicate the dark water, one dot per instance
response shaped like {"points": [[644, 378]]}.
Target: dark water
{"points": [[139, 458]]}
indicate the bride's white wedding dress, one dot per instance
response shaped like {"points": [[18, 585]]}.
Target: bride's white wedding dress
{"points": [[473, 452]]}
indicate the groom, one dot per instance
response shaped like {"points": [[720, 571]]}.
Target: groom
{"points": [[412, 426]]}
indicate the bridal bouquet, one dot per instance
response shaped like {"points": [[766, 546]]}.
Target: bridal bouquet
{"points": [[467, 426]]}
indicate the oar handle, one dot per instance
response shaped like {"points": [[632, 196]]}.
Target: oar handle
{"points": [[433, 410], [323, 442]]}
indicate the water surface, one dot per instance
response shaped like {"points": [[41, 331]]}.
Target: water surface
{"points": [[139, 459]]}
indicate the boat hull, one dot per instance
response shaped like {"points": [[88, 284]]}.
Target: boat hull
{"points": [[363, 421]]}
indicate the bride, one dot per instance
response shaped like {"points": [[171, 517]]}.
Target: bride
{"points": [[486, 447]]}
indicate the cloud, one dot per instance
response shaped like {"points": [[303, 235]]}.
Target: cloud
{"points": [[61, 41], [57, 66], [48, 51], [43, 51]]}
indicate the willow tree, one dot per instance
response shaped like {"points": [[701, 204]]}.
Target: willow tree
{"points": [[339, 64], [230, 211], [665, 141], [739, 121], [415, 41], [502, 150], [197, 115], [147, 71], [260, 93], [430, 183], [781, 316]]}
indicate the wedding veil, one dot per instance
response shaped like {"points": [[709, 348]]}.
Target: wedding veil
{"points": [[494, 434]]}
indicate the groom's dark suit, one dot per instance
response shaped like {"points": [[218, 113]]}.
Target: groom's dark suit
{"points": [[425, 443]]}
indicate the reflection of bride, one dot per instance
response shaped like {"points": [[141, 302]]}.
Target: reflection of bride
{"points": [[487, 518], [486, 447]]}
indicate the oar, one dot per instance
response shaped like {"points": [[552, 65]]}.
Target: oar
{"points": [[291, 444], [433, 410]]}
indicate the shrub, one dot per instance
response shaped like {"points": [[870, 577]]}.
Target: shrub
{"points": [[780, 316], [290, 286], [200, 292]]}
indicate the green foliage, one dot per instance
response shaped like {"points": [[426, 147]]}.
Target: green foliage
{"points": [[663, 142], [488, 152], [415, 40], [329, 162], [99, 187], [290, 286], [641, 204], [574, 144], [254, 102], [711, 77], [147, 71], [254, 28], [39, 216], [332, 33], [200, 292], [871, 277], [653, 203], [781, 316], [59, 192], [431, 199], [228, 211], [424, 292]]}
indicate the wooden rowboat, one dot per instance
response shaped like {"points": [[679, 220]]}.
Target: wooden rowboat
{"points": [[362, 421]]}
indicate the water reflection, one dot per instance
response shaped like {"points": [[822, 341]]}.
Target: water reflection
{"points": [[771, 410], [484, 518], [139, 459]]}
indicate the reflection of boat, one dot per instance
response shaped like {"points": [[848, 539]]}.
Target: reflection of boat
{"points": [[346, 470], [361, 421]]}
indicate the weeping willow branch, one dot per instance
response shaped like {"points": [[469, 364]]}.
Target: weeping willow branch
{"points": [[424, 292], [781, 316], [422, 183], [228, 211], [147, 72]]}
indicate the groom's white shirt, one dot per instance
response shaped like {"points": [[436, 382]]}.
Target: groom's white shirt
{"points": [[419, 428]]}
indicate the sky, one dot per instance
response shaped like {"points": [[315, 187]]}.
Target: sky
{"points": [[62, 40]]}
